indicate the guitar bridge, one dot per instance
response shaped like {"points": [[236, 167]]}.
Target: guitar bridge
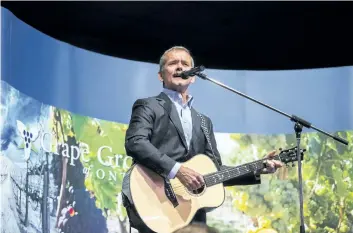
{"points": [[169, 192]]}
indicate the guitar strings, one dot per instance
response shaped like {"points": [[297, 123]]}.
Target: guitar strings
{"points": [[242, 168], [227, 170]]}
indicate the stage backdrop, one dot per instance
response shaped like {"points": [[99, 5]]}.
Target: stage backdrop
{"points": [[65, 111]]}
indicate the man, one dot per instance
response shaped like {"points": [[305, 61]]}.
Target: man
{"points": [[165, 130]]}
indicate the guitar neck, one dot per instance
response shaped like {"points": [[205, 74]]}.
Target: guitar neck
{"points": [[233, 172]]}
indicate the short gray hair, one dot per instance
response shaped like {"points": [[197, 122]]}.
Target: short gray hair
{"points": [[162, 60]]}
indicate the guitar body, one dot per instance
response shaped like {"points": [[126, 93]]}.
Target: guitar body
{"points": [[155, 208]]}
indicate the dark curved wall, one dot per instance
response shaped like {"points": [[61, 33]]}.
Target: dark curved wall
{"points": [[104, 87]]}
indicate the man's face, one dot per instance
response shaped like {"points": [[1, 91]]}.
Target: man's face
{"points": [[176, 61]]}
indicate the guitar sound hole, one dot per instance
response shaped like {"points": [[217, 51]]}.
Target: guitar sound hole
{"points": [[197, 192]]}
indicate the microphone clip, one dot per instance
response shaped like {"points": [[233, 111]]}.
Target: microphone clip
{"points": [[189, 73]]}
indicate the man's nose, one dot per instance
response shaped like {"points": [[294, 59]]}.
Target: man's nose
{"points": [[179, 67], [180, 64]]}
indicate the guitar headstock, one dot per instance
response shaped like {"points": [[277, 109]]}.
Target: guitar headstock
{"points": [[290, 155]]}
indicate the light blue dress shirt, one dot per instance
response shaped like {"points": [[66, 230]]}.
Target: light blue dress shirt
{"points": [[184, 112]]}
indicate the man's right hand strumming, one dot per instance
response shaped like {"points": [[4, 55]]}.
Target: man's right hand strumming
{"points": [[191, 179]]}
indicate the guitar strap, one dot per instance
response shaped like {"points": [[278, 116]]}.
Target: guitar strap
{"points": [[207, 135]]}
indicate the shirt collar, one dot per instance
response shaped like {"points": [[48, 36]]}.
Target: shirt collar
{"points": [[176, 96]]}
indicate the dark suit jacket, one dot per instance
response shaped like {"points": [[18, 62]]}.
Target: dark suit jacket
{"points": [[155, 139]]}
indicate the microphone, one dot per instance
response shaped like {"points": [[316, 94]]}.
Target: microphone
{"points": [[192, 72]]}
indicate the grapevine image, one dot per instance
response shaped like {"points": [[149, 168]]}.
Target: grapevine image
{"points": [[273, 206]]}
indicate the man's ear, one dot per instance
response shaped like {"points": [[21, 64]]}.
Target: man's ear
{"points": [[160, 76], [193, 79]]}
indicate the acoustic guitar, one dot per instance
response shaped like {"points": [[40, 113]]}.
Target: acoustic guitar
{"points": [[166, 206]]}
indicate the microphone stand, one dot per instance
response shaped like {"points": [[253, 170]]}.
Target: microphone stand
{"points": [[298, 126]]}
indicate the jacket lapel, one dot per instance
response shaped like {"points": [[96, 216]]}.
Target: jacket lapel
{"points": [[168, 105], [196, 125]]}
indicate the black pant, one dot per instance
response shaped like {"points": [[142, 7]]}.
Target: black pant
{"points": [[199, 217]]}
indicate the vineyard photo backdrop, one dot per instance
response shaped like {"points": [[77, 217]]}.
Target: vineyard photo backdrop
{"points": [[71, 180]]}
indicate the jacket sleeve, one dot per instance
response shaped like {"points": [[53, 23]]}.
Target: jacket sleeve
{"points": [[138, 136], [248, 179]]}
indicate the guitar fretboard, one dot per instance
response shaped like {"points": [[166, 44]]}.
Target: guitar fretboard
{"points": [[230, 173]]}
